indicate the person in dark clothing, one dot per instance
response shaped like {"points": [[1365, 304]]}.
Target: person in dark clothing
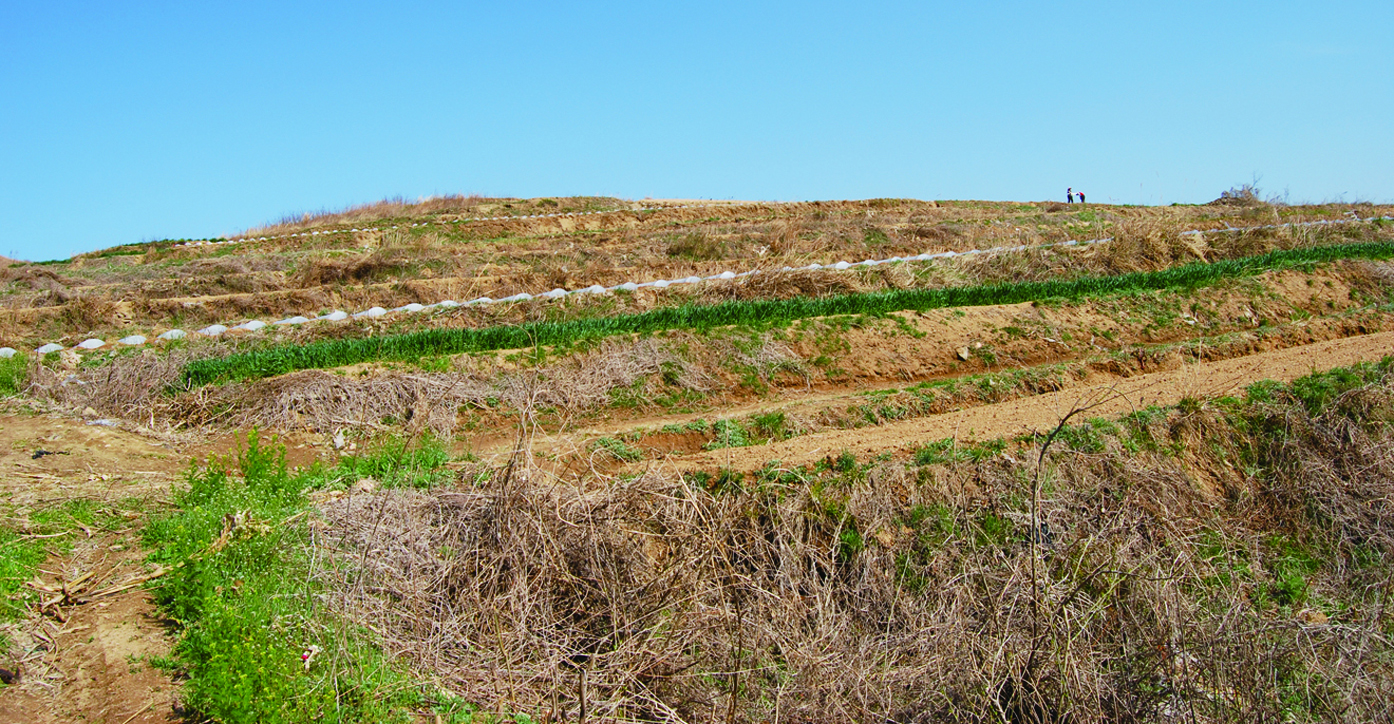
{"points": [[1081, 197], [1069, 196]]}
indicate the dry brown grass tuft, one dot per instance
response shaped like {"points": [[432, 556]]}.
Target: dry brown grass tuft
{"points": [[397, 207], [1142, 246]]}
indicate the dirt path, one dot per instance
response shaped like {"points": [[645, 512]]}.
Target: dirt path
{"points": [[87, 659], [1042, 412]]}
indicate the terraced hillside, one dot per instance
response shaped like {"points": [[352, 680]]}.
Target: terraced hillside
{"points": [[860, 402]]}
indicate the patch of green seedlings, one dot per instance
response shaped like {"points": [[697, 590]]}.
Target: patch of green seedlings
{"points": [[728, 433], [13, 373], [242, 593], [951, 450], [620, 449], [1290, 564], [761, 314], [698, 426]]}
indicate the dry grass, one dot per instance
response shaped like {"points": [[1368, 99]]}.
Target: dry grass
{"points": [[397, 207], [499, 259], [656, 600], [780, 285]]}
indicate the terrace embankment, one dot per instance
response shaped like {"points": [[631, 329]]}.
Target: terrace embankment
{"points": [[1038, 414]]}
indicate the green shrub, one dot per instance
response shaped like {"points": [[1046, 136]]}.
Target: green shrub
{"points": [[619, 448], [770, 425]]}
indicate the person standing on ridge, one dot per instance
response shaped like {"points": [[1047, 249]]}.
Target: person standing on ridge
{"points": [[1069, 195], [1081, 197]]}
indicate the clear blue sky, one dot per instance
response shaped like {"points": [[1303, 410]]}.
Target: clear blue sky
{"points": [[130, 121]]}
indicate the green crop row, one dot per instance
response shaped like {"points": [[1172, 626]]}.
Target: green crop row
{"points": [[339, 352]]}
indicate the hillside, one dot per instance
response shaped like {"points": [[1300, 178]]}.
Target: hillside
{"points": [[882, 460]]}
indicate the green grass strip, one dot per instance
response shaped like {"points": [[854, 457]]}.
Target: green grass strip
{"points": [[405, 347]]}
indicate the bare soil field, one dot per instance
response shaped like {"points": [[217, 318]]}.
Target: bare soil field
{"points": [[1014, 507]]}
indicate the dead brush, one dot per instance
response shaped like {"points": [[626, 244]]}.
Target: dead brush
{"points": [[392, 259], [324, 402], [652, 599], [1340, 463], [131, 387], [33, 278], [395, 207], [85, 312], [934, 233], [784, 238], [1125, 590]]}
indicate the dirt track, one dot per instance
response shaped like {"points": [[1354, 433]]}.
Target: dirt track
{"points": [[1042, 412]]}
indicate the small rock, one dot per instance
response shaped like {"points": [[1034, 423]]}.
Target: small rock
{"points": [[89, 412], [963, 353], [338, 440]]}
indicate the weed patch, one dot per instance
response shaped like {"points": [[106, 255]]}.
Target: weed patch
{"points": [[254, 643], [13, 372]]}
